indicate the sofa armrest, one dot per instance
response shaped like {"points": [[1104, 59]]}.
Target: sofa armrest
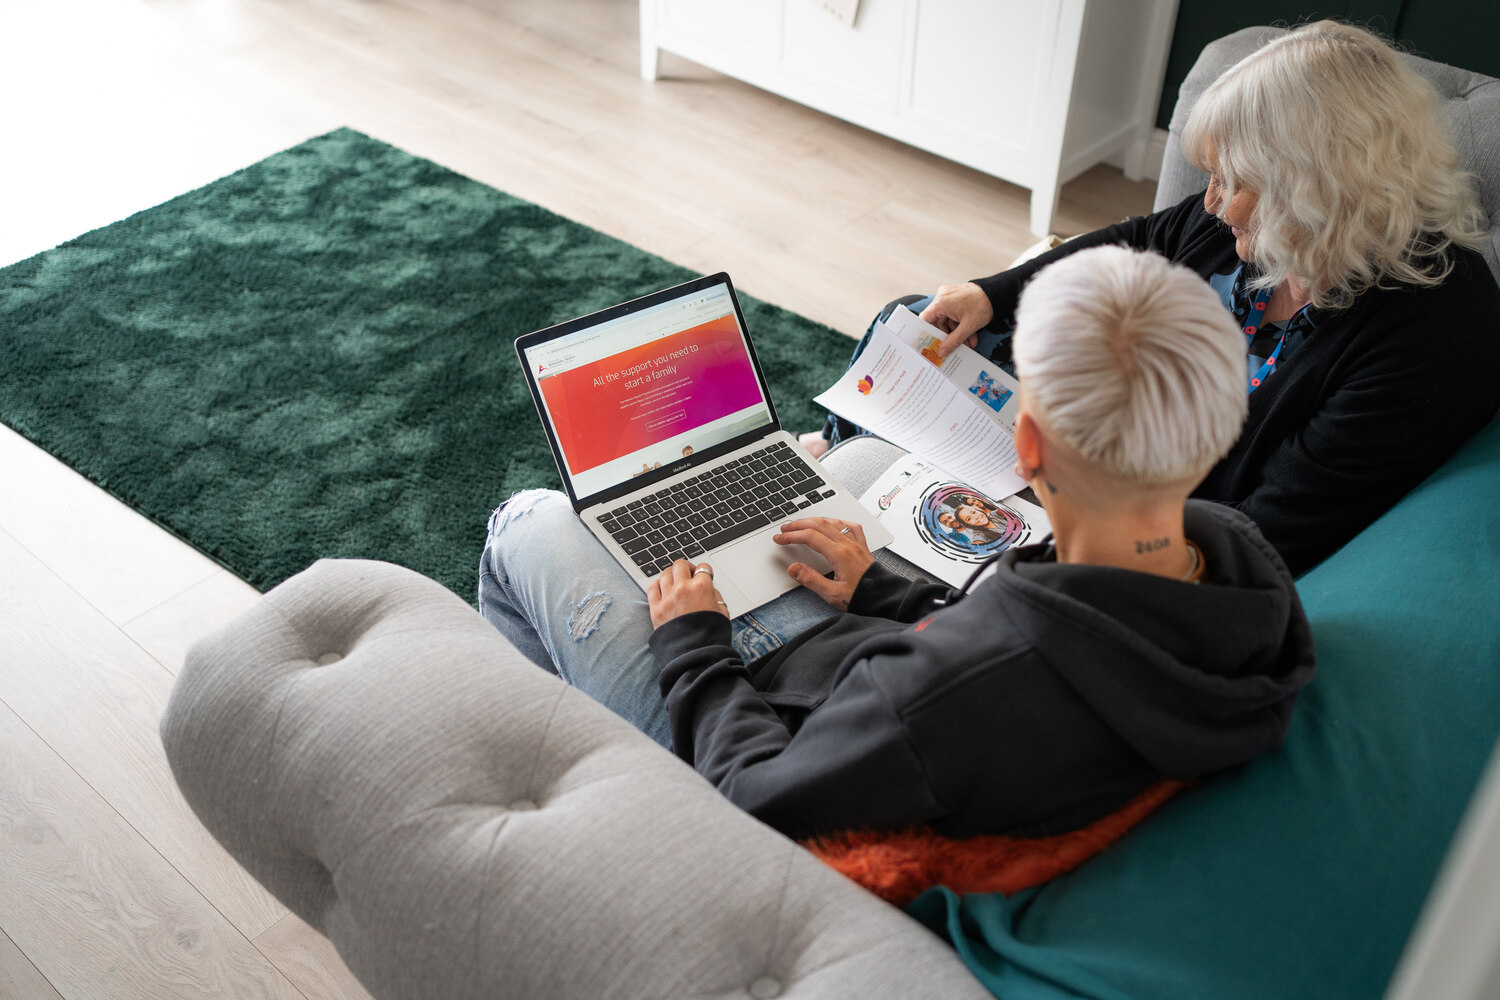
{"points": [[462, 824]]}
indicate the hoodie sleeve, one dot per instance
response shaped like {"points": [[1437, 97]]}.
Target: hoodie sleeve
{"points": [[884, 594], [848, 766]]}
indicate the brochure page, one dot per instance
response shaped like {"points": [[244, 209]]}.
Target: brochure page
{"points": [[965, 367], [893, 391], [947, 527]]}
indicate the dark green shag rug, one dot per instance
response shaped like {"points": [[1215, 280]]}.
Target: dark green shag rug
{"points": [[312, 357]]}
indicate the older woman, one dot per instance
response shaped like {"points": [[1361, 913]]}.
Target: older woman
{"points": [[1339, 232], [1045, 695]]}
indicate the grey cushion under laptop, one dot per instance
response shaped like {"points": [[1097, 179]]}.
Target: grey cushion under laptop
{"points": [[663, 431]]}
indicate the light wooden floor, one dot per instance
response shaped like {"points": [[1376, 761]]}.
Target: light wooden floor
{"points": [[108, 885]]}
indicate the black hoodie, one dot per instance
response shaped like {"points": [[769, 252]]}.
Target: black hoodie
{"points": [[1042, 701]]}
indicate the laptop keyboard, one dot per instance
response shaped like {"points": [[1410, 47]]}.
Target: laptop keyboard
{"points": [[697, 515]]}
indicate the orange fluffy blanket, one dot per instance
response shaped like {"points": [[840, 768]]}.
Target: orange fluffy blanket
{"points": [[900, 866]]}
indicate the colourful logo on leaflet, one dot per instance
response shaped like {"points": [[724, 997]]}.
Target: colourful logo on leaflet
{"points": [[884, 502], [866, 384]]}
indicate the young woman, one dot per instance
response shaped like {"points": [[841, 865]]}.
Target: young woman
{"points": [[1156, 637]]}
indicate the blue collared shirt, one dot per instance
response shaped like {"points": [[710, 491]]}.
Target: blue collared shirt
{"points": [[1237, 299]]}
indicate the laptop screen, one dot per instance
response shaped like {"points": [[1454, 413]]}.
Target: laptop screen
{"points": [[645, 390]]}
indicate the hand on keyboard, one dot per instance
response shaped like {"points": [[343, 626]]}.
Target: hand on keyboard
{"points": [[682, 589], [713, 508]]}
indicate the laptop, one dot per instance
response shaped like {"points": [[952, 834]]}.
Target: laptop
{"points": [[667, 442]]}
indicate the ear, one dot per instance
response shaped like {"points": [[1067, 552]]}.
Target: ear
{"points": [[1030, 444]]}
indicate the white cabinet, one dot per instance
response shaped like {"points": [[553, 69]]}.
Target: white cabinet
{"points": [[1031, 91]]}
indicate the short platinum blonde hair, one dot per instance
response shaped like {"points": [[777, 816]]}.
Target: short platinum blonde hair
{"points": [[1134, 362], [1345, 145]]}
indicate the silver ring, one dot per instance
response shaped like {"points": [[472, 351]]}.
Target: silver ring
{"points": [[721, 604], [704, 569], [845, 530]]}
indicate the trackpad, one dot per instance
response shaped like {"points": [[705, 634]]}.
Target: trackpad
{"points": [[758, 566], [782, 557]]}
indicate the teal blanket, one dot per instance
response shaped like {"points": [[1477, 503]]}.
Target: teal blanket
{"points": [[1299, 875]]}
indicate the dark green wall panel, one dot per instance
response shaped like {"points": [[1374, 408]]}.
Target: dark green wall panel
{"points": [[1461, 32]]}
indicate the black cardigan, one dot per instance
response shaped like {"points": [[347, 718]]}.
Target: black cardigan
{"points": [[1379, 396]]}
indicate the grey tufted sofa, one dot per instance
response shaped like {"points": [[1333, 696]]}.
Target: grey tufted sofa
{"points": [[461, 824]]}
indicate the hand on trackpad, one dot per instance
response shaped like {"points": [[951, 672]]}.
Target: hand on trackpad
{"points": [[760, 561], [785, 555]]}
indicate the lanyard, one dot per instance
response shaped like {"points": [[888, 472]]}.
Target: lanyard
{"points": [[1253, 320]]}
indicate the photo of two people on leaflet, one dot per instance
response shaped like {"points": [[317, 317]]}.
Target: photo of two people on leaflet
{"points": [[1157, 635], [976, 522]]}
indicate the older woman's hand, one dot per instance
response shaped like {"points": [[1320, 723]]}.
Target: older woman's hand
{"points": [[961, 311], [842, 543], [681, 589]]}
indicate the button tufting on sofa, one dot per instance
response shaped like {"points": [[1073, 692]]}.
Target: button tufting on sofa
{"points": [[522, 805], [765, 988], [327, 658]]}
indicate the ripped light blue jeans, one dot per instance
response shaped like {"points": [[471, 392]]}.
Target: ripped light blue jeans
{"points": [[548, 585]]}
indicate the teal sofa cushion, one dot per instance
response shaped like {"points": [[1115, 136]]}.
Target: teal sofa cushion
{"points": [[1300, 874]]}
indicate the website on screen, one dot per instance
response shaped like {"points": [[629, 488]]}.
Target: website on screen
{"points": [[649, 389]]}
